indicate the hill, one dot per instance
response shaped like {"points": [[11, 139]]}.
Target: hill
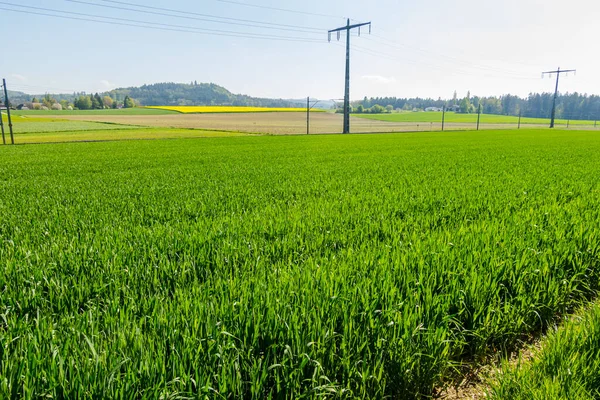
{"points": [[172, 94], [194, 94]]}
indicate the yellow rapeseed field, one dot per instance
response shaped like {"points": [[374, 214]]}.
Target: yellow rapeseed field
{"points": [[226, 109]]}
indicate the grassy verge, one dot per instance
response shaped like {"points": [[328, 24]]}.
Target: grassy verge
{"points": [[123, 111], [463, 118], [29, 124], [120, 134], [566, 367]]}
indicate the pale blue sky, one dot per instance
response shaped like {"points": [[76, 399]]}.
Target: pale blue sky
{"points": [[418, 48]]}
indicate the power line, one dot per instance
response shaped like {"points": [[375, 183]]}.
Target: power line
{"points": [[440, 67], [443, 55], [187, 12], [279, 9], [393, 58], [154, 25], [252, 25], [439, 55]]}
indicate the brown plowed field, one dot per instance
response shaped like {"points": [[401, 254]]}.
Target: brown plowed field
{"points": [[272, 123]]}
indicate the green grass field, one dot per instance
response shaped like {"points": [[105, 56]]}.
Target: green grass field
{"points": [[463, 118], [566, 367], [67, 126], [119, 134], [123, 111], [348, 266], [28, 124]]}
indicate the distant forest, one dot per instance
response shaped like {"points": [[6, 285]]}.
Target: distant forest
{"points": [[193, 94], [162, 94], [568, 106]]}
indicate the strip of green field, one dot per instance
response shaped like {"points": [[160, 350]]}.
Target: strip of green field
{"points": [[120, 134], [356, 266], [123, 111], [26, 125], [567, 367], [464, 118], [67, 126]]}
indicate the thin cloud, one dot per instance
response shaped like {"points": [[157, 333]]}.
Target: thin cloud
{"points": [[107, 85], [20, 78], [378, 79]]}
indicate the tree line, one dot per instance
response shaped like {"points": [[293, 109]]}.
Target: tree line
{"points": [[536, 105], [79, 102], [95, 102]]}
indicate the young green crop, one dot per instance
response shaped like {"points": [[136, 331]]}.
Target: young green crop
{"points": [[287, 267], [567, 367]]}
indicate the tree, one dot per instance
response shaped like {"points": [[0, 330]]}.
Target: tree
{"points": [[48, 101], [107, 102], [389, 108], [98, 104], [128, 103], [94, 102], [465, 105], [377, 109], [83, 103], [366, 102], [360, 109]]}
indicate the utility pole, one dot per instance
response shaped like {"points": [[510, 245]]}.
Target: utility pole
{"points": [[10, 127], [443, 116], [478, 115], [2, 128], [308, 108], [308, 115], [347, 28], [557, 72]]}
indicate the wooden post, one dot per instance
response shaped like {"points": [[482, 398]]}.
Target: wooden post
{"points": [[443, 116], [2, 128], [10, 127], [307, 115]]}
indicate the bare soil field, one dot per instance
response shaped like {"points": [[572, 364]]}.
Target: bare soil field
{"points": [[275, 123]]}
